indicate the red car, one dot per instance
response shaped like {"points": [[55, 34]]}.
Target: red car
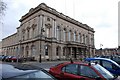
{"points": [[80, 71]]}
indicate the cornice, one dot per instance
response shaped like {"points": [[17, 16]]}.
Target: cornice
{"points": [[9, 36], [48, 9]]}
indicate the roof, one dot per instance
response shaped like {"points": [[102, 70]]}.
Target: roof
{"points": [[109, 60], [83, 63]]}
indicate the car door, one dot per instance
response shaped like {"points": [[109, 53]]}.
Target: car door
{"points": [[87, 72], [108, 66], [70, 71]]}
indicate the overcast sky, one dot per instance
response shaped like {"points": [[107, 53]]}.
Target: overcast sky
{"points": [[102, 15]]}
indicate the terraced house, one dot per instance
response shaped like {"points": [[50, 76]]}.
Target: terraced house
{"points": [[50, 34]]}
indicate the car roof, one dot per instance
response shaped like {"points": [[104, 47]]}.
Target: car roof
{"points": [[10, 71], [76, 62], [88, 59], [109, 60]]}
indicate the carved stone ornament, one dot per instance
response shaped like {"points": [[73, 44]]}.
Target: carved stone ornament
{"points": [[48, 25], [23, 30], [48, 19], [34, 25], [28, 28]]}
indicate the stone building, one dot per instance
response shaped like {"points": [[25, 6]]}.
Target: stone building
{"points": [[51, 34], [107, 51]]}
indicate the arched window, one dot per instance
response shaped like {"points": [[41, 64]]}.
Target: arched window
{"points": [[23, 34], [79, 37], [64, 35], [63, 51], [33, 32], [87, 39], [46, 50], [28, 33], [58, 32], [69, 36], [57, 51], [33, 50], [27, 51], [74, 36], [83, 38], [48, 32]]}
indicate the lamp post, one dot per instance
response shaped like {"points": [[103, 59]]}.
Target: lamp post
{"points": [[41, 34], [19, 51], [101, 48]]}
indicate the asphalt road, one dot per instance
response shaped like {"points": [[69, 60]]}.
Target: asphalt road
{"points": [[45, 65]]}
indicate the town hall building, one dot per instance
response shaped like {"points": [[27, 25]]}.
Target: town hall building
{"points": [[50, 35]]}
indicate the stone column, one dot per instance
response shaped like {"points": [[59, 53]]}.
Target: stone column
{"points": [[36, 30], [30, 33], [71, 51], [61, 55], [37, 50], [53, 51], [66, 36], [30, 50], [43, 25], [55, 29], [61, 32], [42, 49]]}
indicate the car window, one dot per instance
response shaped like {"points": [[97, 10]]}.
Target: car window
{"points": [[103, 72], [35, 75], [107, 64], [87, 71], [94, 61], [71, 68]]}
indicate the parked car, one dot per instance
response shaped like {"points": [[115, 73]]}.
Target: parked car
{"points": [[109, 64], [115, 58], [8, 58], [14, 59], [80, 71], [3, 58], [23, 72]]}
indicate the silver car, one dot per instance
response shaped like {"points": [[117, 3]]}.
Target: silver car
{"points": [[23, 72]]}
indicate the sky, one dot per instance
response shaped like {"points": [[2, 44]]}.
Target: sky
{"points": [[102, 15]]}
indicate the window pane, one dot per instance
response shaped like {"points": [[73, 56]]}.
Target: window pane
{"points": [[72, 69], [69, 36], [87, 71], [107, 64]]}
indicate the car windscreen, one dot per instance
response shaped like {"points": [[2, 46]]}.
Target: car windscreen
{"points": [[105, 73], [34, 75]]}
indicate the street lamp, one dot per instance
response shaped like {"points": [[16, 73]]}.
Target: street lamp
{"points": [[101, 48], [41, 34], [18, 51]]}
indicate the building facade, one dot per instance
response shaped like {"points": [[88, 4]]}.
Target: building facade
{"points": [[52, 35], [107, 51]]}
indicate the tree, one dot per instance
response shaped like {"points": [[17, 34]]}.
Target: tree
{"points": [[2, 8]]}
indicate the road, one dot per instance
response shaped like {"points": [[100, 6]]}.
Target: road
{"points": [[45, 65]]}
